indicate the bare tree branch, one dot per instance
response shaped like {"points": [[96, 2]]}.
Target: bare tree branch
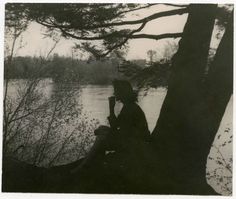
{"points": [[146, 19], [222, 158], [53, 47], [156, 37], [21, 117], [176, 5], [125, 40], [5, 114], [45, 137], [22, 100], [65, 142], [139, 36], [134, 22]]}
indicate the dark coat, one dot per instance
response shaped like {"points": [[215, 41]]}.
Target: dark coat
{"points": [[130, 127]]}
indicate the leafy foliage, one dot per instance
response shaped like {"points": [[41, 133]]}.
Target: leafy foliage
{"points": [[153, 76], [101, 22], [223, 14], [14, 17]]}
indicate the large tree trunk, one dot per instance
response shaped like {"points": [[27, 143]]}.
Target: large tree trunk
{"points": [[192, 110]]}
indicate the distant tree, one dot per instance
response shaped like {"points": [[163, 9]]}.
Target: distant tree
{"points": [[169, 50], [152, 55]]}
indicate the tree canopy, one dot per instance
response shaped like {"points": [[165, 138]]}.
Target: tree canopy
{"points": [[106, 23]]}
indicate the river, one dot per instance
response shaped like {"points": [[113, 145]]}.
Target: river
{"points": [[94, 100]]}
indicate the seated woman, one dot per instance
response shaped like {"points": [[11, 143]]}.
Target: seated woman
{"points": [[127, 132]]}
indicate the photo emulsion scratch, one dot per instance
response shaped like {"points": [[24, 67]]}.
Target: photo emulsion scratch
{"points": [[118, 98]]}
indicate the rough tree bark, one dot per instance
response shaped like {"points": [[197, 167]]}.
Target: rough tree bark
{"points": [[181, 135]]}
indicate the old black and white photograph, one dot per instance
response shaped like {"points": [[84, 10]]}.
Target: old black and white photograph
{"points": [[117, 98]]}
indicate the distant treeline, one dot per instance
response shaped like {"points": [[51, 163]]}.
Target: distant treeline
{"points": [[64, 69]]}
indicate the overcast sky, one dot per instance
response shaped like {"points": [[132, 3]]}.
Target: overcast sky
{"points": [[36, 44]]}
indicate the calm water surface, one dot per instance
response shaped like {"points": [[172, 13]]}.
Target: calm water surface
{"points": [[94, 99]]}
